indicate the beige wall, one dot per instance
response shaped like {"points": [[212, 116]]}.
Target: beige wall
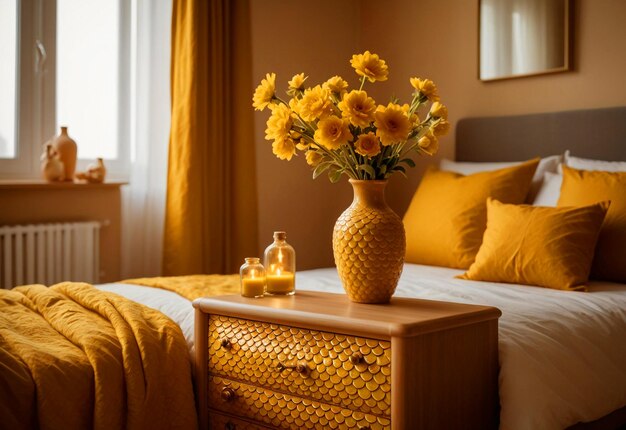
{"points": [[435, 39], [289, 37]]}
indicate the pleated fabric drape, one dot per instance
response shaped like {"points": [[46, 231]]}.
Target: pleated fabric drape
{"points": [[211, 209]]}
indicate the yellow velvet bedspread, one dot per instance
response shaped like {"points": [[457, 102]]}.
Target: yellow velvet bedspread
{"points": [[192, 286], [74, 357]]}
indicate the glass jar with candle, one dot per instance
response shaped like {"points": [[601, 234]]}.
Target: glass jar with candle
{"points": [[280, 266], [252, 278]]}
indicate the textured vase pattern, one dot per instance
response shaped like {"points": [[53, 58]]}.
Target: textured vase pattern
{"points": [[369, 245]]}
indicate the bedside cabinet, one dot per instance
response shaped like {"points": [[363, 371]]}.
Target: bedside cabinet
{"points": [[317, 360]]}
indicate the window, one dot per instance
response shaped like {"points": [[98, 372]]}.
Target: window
{"points": [[69, 64], [8, 76]]}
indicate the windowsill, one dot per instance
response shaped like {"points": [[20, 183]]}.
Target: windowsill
{"points": [[34, 184]]}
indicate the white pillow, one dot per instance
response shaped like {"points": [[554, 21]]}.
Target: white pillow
{"points": [[547, 164], [588, 164], [550, 190]]}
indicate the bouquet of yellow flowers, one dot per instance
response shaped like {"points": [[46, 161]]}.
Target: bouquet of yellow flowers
{"points": [[347, 132]]}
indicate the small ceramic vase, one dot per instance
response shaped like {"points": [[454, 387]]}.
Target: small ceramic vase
{"points": [[96, 172], [66, 149], [52, 168]]}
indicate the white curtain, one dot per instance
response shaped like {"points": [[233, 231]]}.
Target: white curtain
{"points": [[143, 200]]}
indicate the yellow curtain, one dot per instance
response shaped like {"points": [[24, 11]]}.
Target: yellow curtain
{"points": [[210, 220]]}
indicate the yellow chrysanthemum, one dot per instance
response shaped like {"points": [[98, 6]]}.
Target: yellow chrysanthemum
{"points": [[367, 145], [426, 87], [296, 85], [358, 108], [313, 158], [441, 128], [438, 110], [332, 132], [428, 143], [265, 93], [279, 123], [370, 66], [337, 85], [294, 105], [315, 104], [284, 148], [392, 124], [302, 144], [414, 118]]}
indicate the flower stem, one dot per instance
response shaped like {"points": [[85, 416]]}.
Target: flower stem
{"points": [[362, 83]]}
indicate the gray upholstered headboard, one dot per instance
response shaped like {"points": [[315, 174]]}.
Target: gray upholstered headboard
{"points": [[594, 133]]}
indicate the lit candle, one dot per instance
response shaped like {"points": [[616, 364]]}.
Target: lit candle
{"points": [[252, 278], [252, 287], [280, 282], [280, 263]]}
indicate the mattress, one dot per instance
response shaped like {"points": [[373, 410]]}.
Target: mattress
{"points": [[562, 354]]}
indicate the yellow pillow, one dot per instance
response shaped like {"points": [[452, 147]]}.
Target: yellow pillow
{"points": [[535, 245], [581, 187], [446, 219]]}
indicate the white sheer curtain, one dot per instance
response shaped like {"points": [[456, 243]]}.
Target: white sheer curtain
{"points": [[143, 206]]}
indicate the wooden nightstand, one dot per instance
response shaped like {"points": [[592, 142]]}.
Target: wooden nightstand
{"points": [[317, 360]]}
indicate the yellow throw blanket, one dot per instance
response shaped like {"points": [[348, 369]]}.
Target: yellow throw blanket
{"points": [[193, 286], [74, 357]]}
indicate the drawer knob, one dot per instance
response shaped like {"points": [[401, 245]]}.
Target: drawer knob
{"points": [[228, 394], [357, 358], [300, 367], [225, 343]]}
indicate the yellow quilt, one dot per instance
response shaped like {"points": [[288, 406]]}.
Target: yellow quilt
{"points": [[74, 357], [193, 286]]}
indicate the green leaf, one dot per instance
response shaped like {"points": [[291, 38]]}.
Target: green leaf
{"points": [[367, 169], [321, 168], [383, 170], [391, 162], [408, 162], [401, 170], [334, 176]]}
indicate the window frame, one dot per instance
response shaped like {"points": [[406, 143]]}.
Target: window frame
{"points": [[35, 102]]}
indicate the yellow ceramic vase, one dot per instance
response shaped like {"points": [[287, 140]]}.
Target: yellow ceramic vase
{"points": [[67, 150], [369, 245]]}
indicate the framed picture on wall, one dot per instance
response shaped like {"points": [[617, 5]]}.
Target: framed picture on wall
{"points": [[520, 38]]}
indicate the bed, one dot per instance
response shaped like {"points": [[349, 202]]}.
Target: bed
{"points": [[541, 330], [562, 354]]}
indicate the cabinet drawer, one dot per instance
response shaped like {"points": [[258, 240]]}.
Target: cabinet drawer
{"points": [[219, 421], [348, 371], [285, 411]]}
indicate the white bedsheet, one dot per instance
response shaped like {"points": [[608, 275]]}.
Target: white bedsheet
{"points": [[562, 354]]}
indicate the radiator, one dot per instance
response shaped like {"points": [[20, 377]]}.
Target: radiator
{"points": [[49, 253]]}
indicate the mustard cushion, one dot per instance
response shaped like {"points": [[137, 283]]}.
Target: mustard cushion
{"points": [[446, 219], [582, 187], [534, 245]]}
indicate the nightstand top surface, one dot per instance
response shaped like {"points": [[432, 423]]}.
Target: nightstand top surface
{"points": [[327, 311]]}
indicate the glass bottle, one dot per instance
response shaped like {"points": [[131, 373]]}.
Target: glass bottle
{"points": [[252, 275], [280, 265]]}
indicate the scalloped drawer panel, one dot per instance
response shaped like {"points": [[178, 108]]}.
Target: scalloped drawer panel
{"points": [[285, 411], [348, 371]]}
